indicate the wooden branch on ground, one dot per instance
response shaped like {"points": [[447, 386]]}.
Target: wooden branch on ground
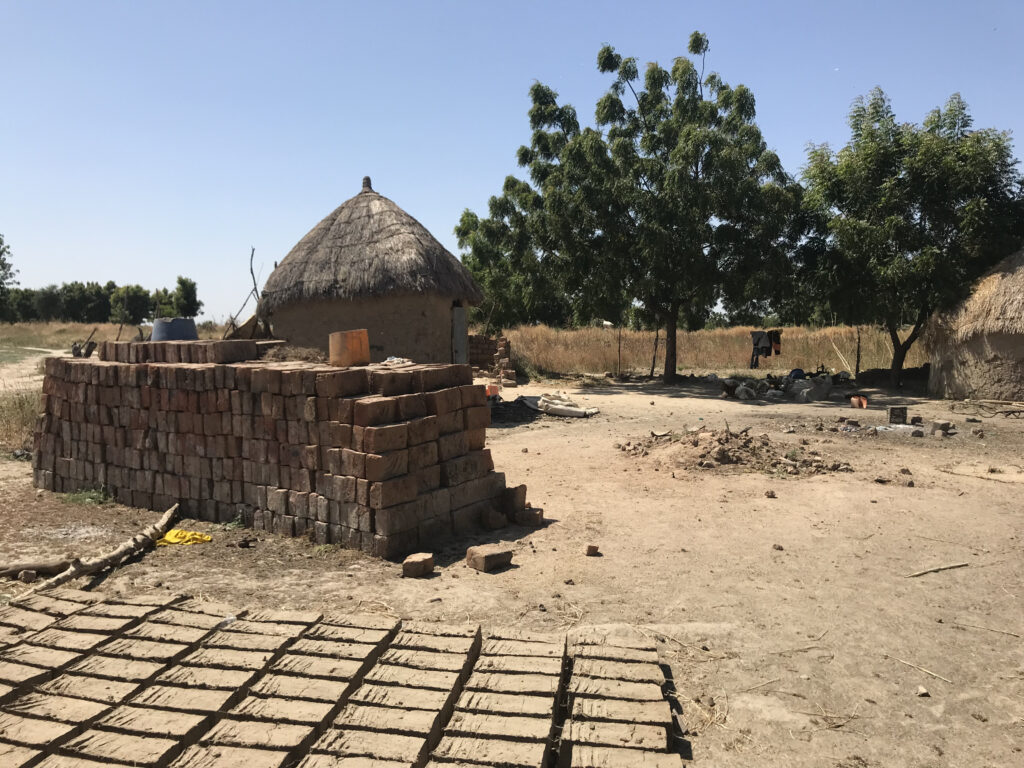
{"points": [[919, 669], [44, 567], [937, 568], [147, 538]]}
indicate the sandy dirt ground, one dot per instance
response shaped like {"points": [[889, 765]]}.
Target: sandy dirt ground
{"points": [[793, 630]]}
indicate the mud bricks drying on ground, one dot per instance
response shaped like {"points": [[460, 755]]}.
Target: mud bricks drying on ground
{"points": [[382, 459]]}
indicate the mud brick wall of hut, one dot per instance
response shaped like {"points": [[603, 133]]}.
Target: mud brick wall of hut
{"points": [[486, 352], [383, 460]]}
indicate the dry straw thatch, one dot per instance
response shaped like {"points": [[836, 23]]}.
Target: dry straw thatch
{"points": [[977, 349], [995, 306], [367, 247]]}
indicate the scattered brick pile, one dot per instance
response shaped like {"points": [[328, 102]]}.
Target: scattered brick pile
{"points": [[494, 357], [378, 458]]}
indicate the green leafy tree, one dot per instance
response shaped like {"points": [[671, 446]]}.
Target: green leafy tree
{"points": [[672, 190], [7, 279], [907, 217], [162, 303], [47, 303], [185, 298], [73, 301], [22, 305], [97, 302], [130, 305]]}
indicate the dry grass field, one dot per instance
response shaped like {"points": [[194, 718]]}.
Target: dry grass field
{"points": [[60, 335], [595, 350]]}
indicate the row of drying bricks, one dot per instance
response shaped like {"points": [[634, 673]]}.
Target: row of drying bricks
{"points": [[151, 683]]}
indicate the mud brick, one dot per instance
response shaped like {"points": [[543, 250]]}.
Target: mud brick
{"points": [[610, 734], [16, 617], [409, 722], [635, 672], [437, 503], [338, 649], [396, 519], [70, 641], [374, 411], [507, 704], [481, 489], [121, 747], [428, 478], [31, 731], [298, 504], [318, 666], [533, 685], [229, 757], [513, 500], [520, 664], [452, 446], [290, 686], [246, 641], [186, 699], [413, 406], [615, 653], [256, 734], [92, 688], [353, 463], [394, 546], [347, 628], [228, 658], [277, 501], [392, 382], [62, 708], [341, 409], [600, 688], [117, 668], [492, 726], [385, 746], [489, 557], [388, 493], [320, 533], [473, 395], [278, 709], [655, 713], [423, 455], [385, 466], [385, 438], [407, 677], [476, 439], [166, 632], [509, 754], [478, 417], [430, 378], [587, 756], [465, 468], [423, 430], [141, 720], [15, 674], [450, 422], [335, 434], [432, 642], [204, 677], [443, 401]]}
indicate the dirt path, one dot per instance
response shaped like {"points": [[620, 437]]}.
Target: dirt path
{"points": [[25, 373], [782, 618]]}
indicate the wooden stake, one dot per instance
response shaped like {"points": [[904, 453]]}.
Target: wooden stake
{"points": [[937, 568], [987, 629]]}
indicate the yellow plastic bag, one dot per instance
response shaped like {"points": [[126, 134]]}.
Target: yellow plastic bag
{"points": [[179, 536]]}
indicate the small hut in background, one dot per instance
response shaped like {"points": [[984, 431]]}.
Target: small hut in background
{"points": [[977, 350], [371, 265]]}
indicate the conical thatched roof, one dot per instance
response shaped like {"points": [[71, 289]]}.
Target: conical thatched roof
{"points": [[995, 306], [367, 247]]}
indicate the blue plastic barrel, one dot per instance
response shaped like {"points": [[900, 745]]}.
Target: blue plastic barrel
{"points": [[174, 329]]}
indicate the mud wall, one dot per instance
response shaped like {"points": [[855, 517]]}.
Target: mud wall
{"points": [[386, 460], [416, 327]]}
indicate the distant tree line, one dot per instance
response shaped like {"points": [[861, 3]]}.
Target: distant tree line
{"points": [[91, 302], [671, 211]]}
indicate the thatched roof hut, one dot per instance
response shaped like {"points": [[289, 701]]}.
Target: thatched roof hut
{"points": [[369, 264], [977, 350]]}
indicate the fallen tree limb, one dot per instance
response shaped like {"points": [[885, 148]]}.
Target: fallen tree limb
{"points": [[147, 538], [44, 567], [937, 568]]}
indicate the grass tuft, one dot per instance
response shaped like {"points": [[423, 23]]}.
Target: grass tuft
{"points": [[89, 496], [18, 413]]}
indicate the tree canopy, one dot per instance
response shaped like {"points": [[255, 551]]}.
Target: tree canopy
{"points": [[907, 217], [662, 204]]}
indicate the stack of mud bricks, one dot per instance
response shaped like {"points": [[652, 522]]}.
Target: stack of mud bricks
{"points": [[481, 352], [382, 459], [503, 363], [226, 351]]}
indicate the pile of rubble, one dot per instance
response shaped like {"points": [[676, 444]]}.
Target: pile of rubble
{"points": [[702, 448], [796, 386]]}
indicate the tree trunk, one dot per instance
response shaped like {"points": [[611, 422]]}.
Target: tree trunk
{"points": [[654, 357], [671, 323], [900, 348], [856, 368]]}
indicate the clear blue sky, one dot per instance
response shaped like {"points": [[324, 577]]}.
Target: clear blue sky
{"points": [[142, 140]]}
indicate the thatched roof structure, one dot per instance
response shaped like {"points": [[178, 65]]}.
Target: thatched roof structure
{"points": [[995, 306], [367, 247]]}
